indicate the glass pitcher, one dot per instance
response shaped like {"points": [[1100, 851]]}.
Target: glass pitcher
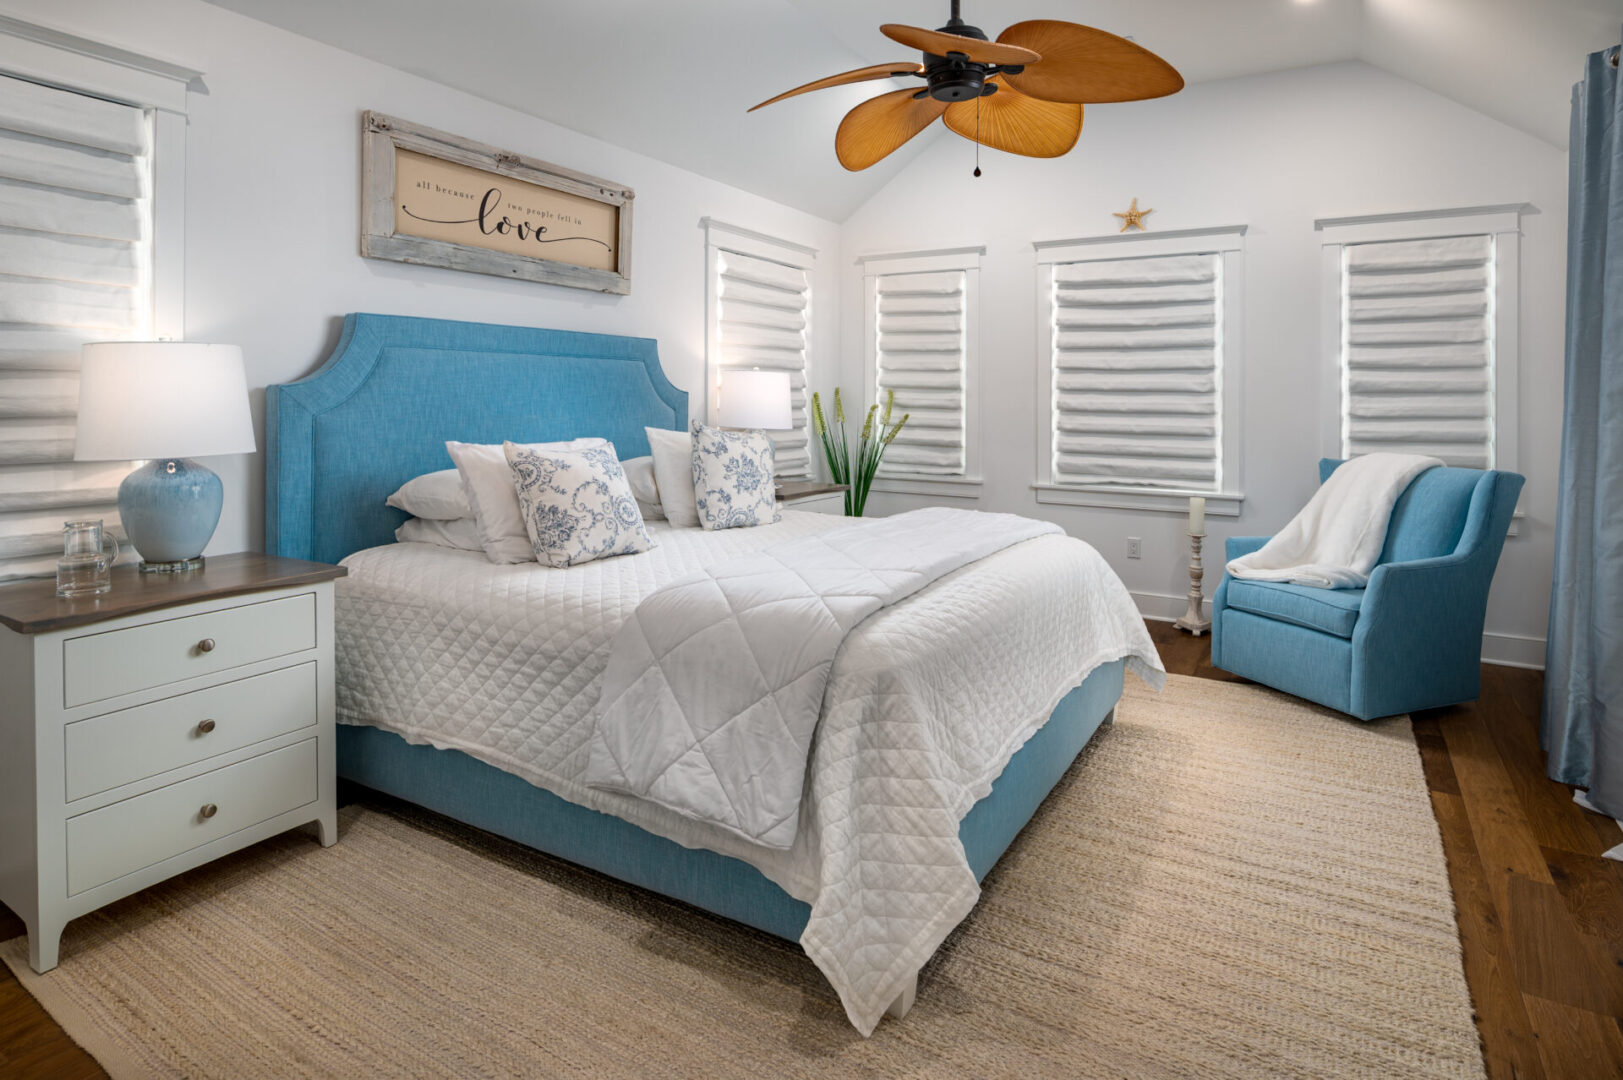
{"points": [[88, 554]]}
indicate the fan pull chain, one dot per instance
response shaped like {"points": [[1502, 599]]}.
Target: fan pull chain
{"points": [[977, 136]]}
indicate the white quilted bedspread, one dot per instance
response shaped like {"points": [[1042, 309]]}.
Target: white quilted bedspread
{"points": [[927, 701]]}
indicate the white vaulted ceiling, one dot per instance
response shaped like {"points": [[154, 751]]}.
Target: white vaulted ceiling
{"points": [[672, 78]]}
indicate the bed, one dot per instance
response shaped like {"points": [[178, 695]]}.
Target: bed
{"points": [[466, 687]]}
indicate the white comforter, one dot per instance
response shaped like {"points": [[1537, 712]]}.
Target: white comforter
{"points": [[926, 702], [715, 684]]}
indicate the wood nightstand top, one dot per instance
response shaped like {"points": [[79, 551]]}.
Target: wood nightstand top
{"points": [[806, 489], [32, 607]]}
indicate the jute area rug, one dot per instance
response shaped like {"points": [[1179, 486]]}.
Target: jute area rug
{"points": [[1228, 883]]}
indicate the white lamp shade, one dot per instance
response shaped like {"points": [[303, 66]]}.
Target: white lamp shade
{"points": [[162, 399], [755, 399]]}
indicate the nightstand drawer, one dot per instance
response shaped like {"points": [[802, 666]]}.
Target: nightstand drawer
{"points": [[105, 665], [106, 751], [126, 836]]}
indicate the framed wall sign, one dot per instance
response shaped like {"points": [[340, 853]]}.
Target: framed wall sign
{"points": [[435, 199]]}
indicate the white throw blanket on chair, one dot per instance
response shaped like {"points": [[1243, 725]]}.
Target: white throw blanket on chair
{"points": [[1335, 540]]}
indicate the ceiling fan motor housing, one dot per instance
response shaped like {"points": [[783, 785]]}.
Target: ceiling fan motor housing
{"points": [[956, 77]]}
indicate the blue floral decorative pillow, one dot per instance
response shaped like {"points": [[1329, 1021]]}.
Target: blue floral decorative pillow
{"points": [[577, 504], [732, 478]]}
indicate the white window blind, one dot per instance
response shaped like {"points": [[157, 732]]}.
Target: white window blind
{"points": [[763, 311], [75, 266], [1418, 348], [1136, 365], [921, 323]]}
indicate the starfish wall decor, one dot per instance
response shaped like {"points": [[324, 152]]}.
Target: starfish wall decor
{"points": [[1133, 217]]}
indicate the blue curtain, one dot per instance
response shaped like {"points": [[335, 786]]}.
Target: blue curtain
{"points": [[1583, 688]]}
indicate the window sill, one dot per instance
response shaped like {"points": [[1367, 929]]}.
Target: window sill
{"points": [[949, 487], [1160, 500]]}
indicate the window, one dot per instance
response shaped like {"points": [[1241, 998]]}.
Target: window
{"points": [[759, 316], [1420, 335], [922, 335], [1139, 347], [81, 259]]}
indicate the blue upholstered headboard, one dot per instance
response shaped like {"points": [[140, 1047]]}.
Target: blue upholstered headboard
{"points": [[379, 411]]}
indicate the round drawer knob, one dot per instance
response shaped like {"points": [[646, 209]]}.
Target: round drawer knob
{"points": [[205, 727], [206, 645], [208, 811]]}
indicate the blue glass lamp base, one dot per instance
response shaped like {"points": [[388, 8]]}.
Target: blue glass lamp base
{"points": [[170, 509]]}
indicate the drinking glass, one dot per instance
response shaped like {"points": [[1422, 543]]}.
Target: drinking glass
{"points": [[88, 554]]}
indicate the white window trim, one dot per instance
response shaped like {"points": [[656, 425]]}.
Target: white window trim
{"points": [[720, 236], [1226, 240], [1503, 223], [53, 57], [967, 259]]}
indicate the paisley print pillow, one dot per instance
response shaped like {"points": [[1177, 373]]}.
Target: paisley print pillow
{"points": [[732, 478], [577, 504]]}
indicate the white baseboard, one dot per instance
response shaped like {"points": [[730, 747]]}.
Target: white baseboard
{"points": [[1513, 650], [1508, 650], [1159, 607]]}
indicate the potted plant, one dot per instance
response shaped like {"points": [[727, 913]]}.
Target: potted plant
{"points": [[856, 475]]}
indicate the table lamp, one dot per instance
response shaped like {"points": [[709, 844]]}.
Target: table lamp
{"points": [[165, 402], [755, 399]]}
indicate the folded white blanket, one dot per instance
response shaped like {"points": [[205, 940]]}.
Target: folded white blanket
{"points": [[715, 684], [1334, 541]]}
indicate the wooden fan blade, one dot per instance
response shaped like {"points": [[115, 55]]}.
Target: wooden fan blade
{"points": [[872, 130], [874, 71], [1082, 64], [1018, 124], [939, 44]]}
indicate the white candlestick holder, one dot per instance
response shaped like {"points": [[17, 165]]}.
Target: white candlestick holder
{"points": [[1194, 620]]}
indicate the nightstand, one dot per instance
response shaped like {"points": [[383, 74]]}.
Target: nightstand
{"points": [[814, 495], [158, 726]]}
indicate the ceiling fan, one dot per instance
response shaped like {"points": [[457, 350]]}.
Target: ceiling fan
{"points": [[1022, 93]]}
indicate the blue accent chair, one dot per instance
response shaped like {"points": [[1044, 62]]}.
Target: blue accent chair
{"points": [[1412, 639]]}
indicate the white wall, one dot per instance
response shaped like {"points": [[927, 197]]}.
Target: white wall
{"points": [[273, 196], [1272, 152], [272, 264]]}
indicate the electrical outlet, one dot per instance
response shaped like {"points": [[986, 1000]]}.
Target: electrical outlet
{"points": [[1135, 548]]}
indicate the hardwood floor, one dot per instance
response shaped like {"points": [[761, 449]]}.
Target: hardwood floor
{"points": [[1541, 913], [31, 1044]]}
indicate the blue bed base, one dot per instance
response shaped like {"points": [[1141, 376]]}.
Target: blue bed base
{"points": [[458, 786], [378, 413]]}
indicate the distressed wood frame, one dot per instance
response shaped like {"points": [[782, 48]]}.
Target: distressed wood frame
{"points": [[382, 135]]}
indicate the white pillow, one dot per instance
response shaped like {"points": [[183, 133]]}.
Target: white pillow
{"points": [[435, 495], [732, 478], [577, 504], [460, 533], [640, 475], [488, 483], [673, 472]]}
